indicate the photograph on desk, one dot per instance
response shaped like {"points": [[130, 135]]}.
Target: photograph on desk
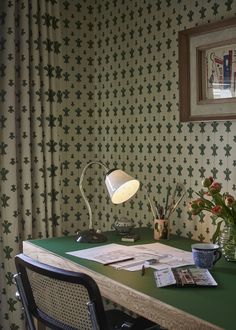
{"points": [[184, 277]]}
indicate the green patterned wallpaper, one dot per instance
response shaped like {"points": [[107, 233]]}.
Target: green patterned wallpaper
{"points": [[113, 66], [77, 120], [122, 65]]}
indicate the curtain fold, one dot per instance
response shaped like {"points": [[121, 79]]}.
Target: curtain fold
{"points": [[31, 96]]}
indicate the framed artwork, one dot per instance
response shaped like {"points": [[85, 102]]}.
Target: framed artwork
{"points": [[207, 72]]}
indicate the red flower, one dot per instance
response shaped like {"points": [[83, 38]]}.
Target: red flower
{"points": [[221, 205], [215, 188], [207, 182], [196, 206], [196, 203], [217, 209], [229, 200]]}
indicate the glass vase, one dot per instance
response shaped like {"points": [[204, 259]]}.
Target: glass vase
{"points": [[227, 242]]}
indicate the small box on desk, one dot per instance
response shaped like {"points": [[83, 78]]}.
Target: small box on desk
{"points": [[130, 238]]}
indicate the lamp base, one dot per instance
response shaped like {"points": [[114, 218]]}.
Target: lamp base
{"points": [[91, 236]]}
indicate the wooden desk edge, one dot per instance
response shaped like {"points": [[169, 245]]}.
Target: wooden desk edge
{"points": [[141, 304]]}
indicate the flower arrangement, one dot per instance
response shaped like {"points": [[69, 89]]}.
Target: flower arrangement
{"points": [[219, 205]]}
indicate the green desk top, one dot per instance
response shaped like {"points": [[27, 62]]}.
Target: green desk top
{"points": [[215, 305]]}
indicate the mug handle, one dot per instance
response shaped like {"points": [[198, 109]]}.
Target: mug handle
{"points": [[217, 255]]}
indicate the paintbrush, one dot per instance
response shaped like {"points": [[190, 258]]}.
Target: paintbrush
{"points": [[150, 203]]}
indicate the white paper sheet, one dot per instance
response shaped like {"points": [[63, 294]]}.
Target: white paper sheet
{"points": [[105, 253], [166, 256]]}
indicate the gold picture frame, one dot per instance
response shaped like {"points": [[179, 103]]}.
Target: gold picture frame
{"points": [[207, 72]]}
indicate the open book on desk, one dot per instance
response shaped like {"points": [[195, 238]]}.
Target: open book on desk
{"points": [[117, 256]]}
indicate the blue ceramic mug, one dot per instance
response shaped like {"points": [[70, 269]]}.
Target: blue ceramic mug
{"points": [[205, 255]]}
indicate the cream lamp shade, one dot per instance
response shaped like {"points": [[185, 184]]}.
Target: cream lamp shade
{"points": [[121, 187]]}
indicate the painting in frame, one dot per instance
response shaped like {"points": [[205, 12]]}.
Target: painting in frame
{"points": [[207, 72]]}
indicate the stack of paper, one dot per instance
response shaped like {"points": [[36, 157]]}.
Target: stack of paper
{"points": [[155, 255]]}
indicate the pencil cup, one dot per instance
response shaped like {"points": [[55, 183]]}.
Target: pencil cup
{"points": [[161, 229]]}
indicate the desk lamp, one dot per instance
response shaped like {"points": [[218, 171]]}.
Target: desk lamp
{"points": [[120, 186]]}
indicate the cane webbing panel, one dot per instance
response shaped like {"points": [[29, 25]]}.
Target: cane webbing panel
{"points": [[63, 301]]}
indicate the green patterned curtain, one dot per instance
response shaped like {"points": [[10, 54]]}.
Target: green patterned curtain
{"points": [[30, 103]]}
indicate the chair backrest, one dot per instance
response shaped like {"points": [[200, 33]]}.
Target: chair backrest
{"points": [[59, 298]]}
